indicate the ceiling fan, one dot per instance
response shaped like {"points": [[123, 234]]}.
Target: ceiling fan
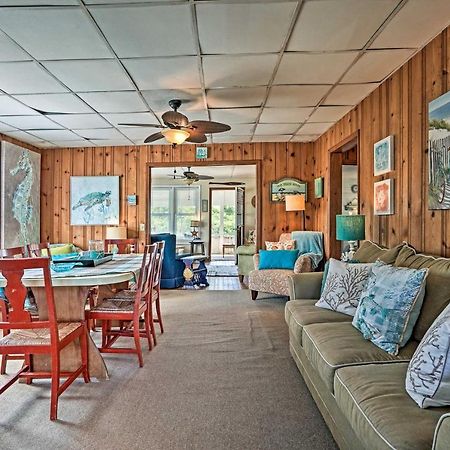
{"points": [[190, 176], [177, 128], [228, 183]]}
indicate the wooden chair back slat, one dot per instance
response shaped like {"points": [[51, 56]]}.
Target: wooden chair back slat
{"points": [[13, 252], [159, 262], [144, 289]]}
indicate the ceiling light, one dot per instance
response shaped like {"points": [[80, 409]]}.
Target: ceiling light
{"points": [[175, 136]]}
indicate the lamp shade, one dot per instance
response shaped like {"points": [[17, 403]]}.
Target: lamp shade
{"points": [[116, 232], [175, 136], [195, 223], [295, 202], [350, 228]]}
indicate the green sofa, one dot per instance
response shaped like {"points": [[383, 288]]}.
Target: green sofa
{"points": [[359, 388]]}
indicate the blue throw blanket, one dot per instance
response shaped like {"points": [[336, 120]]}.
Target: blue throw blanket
{"points": [[309, 243]]}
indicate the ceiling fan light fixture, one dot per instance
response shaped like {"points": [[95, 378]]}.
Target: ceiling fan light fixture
{"points": [[175, 136]]}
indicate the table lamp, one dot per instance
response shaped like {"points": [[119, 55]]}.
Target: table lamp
{"points": [[296, 202], [194, 228], [352, 229]]}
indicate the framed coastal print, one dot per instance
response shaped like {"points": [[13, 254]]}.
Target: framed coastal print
{"points": [[94, 200], [383, 156], [318, 187], [287, 186], [383, 197], [20, 196], [439, 153]]}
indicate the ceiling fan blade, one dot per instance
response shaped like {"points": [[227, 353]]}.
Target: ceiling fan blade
{"points": [[205, 177], [147, 125], [153, 137], [174, 119], [207, 126], [176, 177], [196, 137]]}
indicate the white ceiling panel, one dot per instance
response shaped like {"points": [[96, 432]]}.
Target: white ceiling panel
{"points": [[110, 102], [243, 27], [9, 106], [112, 142], [349, 94], [415, 24], [52, 135], [147, 30], [79, 121], [54, 33], [165, 73], [276, 128], [295, 96], [137, 133], [99, 133], [240, 129], [116, 119], [222, 138], [236, 71], [158, 99], [90, 75], [5, 127], [315, 128], [55, 103], [235, 115], [235, 97], [300, 68], [9, 51], [30, 122], [23, 136], [305, 137], [271, 138], [344, 24], [329, 113], [38, 2], [285, 115], [74, 143], [376, 65], [27, 78]]}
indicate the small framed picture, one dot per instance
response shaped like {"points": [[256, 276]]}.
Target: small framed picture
{"points": [[383, 197], [205, 205], [318, 187], [383, 156]]}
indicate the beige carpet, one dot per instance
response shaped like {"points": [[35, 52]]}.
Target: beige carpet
{"points": [[221, 377]]}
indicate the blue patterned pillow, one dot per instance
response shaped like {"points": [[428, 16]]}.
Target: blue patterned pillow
{"points": [[390, 306]]}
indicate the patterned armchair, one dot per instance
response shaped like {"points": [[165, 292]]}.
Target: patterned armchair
{"points": [[275, 281]]}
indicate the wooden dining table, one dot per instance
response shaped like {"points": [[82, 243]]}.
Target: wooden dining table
{"points": [[71, 290]]}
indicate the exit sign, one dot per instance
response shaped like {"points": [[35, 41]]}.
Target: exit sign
{"points": [[201, 152]]}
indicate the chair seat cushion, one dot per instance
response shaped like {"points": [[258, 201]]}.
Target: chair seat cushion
{"points": [[274, 281], [37, 336], [115, 305], [299, 313], [246, 250], [374, 400], [330, 346]]}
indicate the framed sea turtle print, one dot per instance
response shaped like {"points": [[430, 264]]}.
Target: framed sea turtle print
{"points": [[383, 156], [94, 200]]}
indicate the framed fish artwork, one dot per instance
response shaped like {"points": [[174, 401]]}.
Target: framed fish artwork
{"points": [[94, 200]]}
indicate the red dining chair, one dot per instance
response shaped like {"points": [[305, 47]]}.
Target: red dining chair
{"points": [[123, 245], [39, 250], [40, 336], [128, 312]]}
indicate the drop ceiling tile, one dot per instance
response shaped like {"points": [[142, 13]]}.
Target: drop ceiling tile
{"points": [[27, 78], [137, 133], [54, 33], [349, 94], [110, 102], [5, 127], [338, 24], [38, 2], [158, 99], [376, 65], [243, 27], [234, 115], [79, 121], [292, 96], [110, 2], [9, 106], [329, 113], [9, 51], [305, 137], [315, 128], [415, 24], [165, 73], [285, 115], [271, 138], [116, 119], [23, 136], [235, 97], [276, 128], [52, 135], [239, 70], [218, 138], [111, 142], [45, 144], [145, 30], [90, 75], [30, 122], [241, 129], [74, 144], [300, 68], [99, 133], [55, 103]]}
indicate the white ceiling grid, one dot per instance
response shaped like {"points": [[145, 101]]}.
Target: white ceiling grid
{"points": [[276, 71]]}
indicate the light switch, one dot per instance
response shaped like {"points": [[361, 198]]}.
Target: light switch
{"points": [[142, 227]]}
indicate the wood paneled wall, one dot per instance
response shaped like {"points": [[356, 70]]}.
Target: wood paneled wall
{"points": [[397, 107], [131, 164]]}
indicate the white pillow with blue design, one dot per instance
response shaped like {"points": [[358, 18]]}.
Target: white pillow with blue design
{"points": [[390, 305], [428, 375]]}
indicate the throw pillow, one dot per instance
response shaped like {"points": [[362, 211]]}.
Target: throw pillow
{"points": [[281, 245], [344, 285], [390, 305], [277, 259], [428, 375], [369, 252]]}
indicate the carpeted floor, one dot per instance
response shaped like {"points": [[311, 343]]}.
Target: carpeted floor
{"points": [[221, 377]]}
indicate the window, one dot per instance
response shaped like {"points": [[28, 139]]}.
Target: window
{"points": [[173, 208]]}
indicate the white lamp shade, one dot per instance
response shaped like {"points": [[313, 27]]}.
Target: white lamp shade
{"points": [[116, 232], [295, 202], [175, 136]]}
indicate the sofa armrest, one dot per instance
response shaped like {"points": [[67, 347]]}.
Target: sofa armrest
{"points": [[256, 260], [442, 433], [305, 285]]}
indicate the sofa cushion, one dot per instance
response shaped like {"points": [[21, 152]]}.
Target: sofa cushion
{"points": [[437, 292], [330, 346], [374, 401], [369, 252], [274, 281], [299, 313]]}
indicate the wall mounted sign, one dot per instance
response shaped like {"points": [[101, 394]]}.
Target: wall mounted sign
{"points": [[287, 186], [318, 187], [132, 200], [201, 152], [383, 156], [383, 197]]}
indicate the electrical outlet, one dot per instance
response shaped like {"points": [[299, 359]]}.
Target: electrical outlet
{"points": [[142, 227]]}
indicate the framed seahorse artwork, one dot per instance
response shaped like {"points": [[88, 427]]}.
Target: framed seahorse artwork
{"points": [[94, 200], [20, 192]]}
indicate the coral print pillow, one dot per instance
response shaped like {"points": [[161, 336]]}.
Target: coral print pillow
{"points": [[428, 375], [282, 245], [344, 286]]}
